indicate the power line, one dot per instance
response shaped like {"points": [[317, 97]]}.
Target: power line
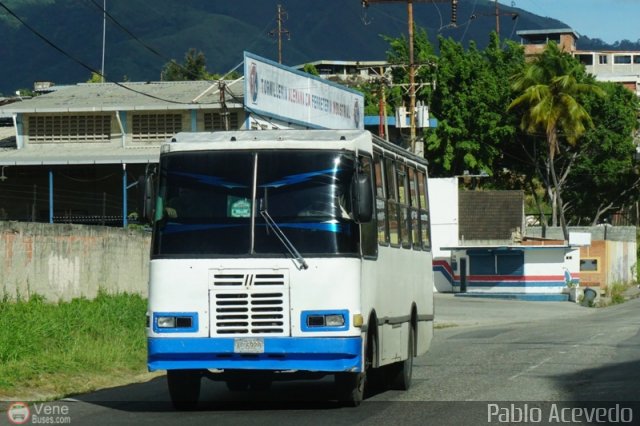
{"points": [[142, 43], [79, 62], [126, 30]]}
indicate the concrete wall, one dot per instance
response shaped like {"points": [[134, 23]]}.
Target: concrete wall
{"points": [[443, 205], [613, 247], [61, 261], [601, 232]]}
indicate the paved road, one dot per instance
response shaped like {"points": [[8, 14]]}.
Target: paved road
{"points": [[486, 355]]}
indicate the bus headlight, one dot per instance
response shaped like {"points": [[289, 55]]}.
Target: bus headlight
{"points": [[337, 320], [334, 320], [175, 322], [166, 322]]}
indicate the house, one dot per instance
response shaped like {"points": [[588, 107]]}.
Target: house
{"points": [[533, 272], [481, 247], [534, 41], [621, 67], [355, 72], [611, 256], [478, 248], [77, 152]]}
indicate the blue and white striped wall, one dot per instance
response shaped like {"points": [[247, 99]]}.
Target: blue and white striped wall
{"points": [[512, 269]]}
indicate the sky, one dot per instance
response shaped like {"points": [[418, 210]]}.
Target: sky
{"points": [[608, 20]]}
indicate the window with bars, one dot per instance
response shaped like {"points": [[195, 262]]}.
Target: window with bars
{"points": [[69, 128], [213, 121], [155, 127]]}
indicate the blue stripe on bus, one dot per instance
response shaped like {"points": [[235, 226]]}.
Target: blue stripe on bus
{"points": [[210, 180], [299, 178], [172, 228], [330, 354], [318, 226]]}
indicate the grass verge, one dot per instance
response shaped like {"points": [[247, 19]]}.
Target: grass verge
{"points": [[48, 350], [618, 293]]}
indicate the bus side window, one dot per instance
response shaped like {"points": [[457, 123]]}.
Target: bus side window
{"points": [[392, 202], [369, 229], [381, 210], [413, 210], [403, 204], [424, 211]]}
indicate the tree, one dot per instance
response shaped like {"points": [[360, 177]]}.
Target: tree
{"points": [[310, 69], [604, 178], [547, 100], [469, 100], [193, 68], [95, 78]]}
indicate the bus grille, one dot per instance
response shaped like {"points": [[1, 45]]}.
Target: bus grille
{"points": [[249, 304], [241, 279]]}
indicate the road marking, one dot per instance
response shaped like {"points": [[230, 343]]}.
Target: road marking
{"points": [[533, 367]]}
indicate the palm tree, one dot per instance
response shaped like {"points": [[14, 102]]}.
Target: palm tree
{"points": [[548, 91]]}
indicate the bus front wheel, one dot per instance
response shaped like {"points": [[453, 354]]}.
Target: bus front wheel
{"points": [[402, 371], [351, 388], [184, 388]]}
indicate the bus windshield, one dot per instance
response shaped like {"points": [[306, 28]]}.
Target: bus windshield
{"points": [[206, 206]]}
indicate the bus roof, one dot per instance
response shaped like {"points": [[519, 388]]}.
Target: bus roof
{"points": [[360, 140]]}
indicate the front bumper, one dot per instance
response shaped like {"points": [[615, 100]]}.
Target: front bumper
{"points": [[322, 354]]}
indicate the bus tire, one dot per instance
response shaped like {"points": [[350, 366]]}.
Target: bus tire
{"points": [[402, 371], [350, 388], [184, 388], [375, 375]]}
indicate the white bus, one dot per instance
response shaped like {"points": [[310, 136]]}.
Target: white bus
{"points": [[288, 254]]}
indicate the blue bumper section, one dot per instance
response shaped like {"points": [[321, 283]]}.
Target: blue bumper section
{"points": [[328, 354]]}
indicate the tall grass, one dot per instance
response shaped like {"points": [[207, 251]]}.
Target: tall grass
{"points": [[53, 345]]}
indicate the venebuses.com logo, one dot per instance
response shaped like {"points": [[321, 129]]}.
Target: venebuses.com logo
{"points": [[18, 413], [52, 413]]}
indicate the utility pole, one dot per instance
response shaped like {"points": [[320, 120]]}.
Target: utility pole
{"points": [[282, 16], [224, 115], [498, 14], [415, 147], [104, 37], [497, 19]]}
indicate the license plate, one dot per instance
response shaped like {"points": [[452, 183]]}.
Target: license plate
{"points": [[248, 345]]}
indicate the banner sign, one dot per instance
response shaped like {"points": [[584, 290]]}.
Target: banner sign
{"points": [[292, 96]]}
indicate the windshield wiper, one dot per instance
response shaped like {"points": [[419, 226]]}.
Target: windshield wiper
{"points": [[296, 257]]}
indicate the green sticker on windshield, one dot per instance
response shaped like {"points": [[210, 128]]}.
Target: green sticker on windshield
{"points": [[238, 207]]}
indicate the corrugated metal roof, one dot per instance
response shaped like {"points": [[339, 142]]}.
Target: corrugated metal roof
{"points": [[548, 31], [62, 154], [164, 95]]}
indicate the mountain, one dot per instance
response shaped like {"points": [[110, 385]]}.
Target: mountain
{"points": [[222, 30]]}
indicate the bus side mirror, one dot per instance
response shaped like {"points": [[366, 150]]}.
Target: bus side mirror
{"points": [[362, 198], [148, 197]]}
